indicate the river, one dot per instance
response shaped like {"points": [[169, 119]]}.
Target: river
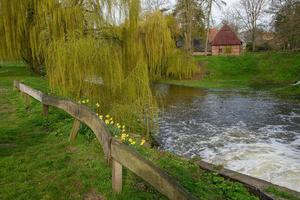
{"points": [[252, 132]]}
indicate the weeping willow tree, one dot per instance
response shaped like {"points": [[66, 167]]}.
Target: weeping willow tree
{"points": [[162, 57], [30, 25], [104, 50]]}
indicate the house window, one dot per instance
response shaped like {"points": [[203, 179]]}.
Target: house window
{"points": [[220, 50]]}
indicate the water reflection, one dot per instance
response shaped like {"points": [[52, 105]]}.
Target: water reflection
{"points": [[251, 132]]}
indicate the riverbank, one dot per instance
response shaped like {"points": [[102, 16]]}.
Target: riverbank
{"points": [[38, 162], [272, 71]]}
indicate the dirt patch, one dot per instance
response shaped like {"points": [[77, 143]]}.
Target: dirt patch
{"points": [[93, 195], [72, 149], [7, 145], [4, 109], [141, 186]]}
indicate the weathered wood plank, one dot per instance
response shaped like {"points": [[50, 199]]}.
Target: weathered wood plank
{"points": [[148, 171], [116, 176], [30, 91], [75, 129], [80, 112]]}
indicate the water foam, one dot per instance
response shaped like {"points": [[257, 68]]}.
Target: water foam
{"points": [[255, 134]]}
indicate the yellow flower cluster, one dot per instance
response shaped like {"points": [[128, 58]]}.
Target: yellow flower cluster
{"points": [[84, 101], [142, 142], [125, 137], [108, 120]]}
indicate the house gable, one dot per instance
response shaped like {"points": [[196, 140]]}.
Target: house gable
{"points": [[226, 37]]}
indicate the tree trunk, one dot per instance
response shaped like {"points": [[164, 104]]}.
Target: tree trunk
{"points": [[188, 31], [253, 40], [208, 24]]}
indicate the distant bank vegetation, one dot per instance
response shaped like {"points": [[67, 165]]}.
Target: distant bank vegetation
{"points": [[275, 70]]}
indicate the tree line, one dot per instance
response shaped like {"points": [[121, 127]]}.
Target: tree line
{"points": [[250, 19]]}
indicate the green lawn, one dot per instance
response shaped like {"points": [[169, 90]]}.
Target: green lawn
{"points": [[268, 70], [38, 162]]}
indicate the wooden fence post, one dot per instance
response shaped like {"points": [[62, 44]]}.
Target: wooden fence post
{"points": [[45, 110], [75, 129], [26, 99], [116, 176]]}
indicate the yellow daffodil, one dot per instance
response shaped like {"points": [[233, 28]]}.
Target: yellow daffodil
{"points": [[130, 140], [133, 142], [101, 117], [112, 122], [97, 105], [106, 121], [87, 100], [143, 142], [123, 137], [83, 101], [107, 116], [123, 126]]}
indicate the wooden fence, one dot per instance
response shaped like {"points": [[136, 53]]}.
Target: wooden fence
{"points": [[116, 153]]}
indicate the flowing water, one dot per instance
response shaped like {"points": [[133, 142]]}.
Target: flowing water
{"points": [[250, 132]]}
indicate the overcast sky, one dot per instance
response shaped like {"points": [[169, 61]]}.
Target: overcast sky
{"points": [[216, 12]]}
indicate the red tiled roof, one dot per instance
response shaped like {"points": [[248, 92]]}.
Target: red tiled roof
{"points": [[226, 37]]}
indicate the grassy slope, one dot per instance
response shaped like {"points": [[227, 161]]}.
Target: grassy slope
{"points": [[274, 71], [38, 162]]}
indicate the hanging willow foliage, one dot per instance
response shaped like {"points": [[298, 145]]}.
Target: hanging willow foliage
{"points": [[28, 27], [89, 51], [163, 59]]}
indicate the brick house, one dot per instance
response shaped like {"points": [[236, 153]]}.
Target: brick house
{"points": [[226, 42]]}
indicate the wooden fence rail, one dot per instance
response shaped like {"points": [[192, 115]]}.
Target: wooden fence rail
{"points": [[116, 153]]}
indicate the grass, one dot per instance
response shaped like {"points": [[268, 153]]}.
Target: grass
{"points": [[281, 194], [273, 71], [38, 162]]}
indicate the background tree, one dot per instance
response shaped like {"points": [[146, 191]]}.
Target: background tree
{"points": [[155, 5], [286, 15], [251, 12], [189, 15], [218, 3], [232, 19]]}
